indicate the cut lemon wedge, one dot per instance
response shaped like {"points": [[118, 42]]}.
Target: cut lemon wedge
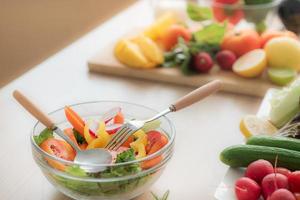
{"points": [[251, 125], [252, 64]]}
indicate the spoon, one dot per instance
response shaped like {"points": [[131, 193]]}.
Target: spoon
{"points": [[88, 159]]}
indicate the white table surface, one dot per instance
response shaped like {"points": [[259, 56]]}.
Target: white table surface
{"points": [[202, 130]]}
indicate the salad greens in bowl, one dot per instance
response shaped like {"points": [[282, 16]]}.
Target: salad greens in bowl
{"points": [[136, 165]]}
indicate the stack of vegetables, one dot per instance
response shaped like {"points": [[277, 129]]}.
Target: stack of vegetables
{"points": [[248, 53], [93, 133], [271, 154]]}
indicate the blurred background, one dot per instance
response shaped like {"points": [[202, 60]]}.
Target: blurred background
{"points": [[32, 30]]}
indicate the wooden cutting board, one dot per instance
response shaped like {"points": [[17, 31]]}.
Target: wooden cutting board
{"points": [[105, 62]]}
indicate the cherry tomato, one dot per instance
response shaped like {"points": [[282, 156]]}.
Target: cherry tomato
{"points": [[58, 148]]}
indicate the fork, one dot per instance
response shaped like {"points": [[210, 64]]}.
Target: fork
{"points": [[132, 126]]}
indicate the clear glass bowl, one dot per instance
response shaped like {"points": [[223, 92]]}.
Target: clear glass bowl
{"points": [[104, 188], [245, 15]]}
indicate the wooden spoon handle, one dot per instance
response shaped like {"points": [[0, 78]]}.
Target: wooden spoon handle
{"points": [[33, 109], [196, 95]]}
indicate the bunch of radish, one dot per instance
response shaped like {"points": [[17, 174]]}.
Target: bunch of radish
{"points": [[264, 181]]}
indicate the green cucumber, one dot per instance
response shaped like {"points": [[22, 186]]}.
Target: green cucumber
{"points": [[277, 141], [243, 155]]}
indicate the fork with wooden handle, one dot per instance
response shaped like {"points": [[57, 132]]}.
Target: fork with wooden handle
{"points": [[132, 126]]}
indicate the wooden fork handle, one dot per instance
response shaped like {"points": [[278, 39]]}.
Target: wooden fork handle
{"points": [[33, 109], [196, 95]]}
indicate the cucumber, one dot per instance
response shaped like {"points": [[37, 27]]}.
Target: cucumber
{"points": [[277, 141], [243, 155]]}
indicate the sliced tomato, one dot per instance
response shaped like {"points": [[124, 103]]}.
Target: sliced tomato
{"points": [[76, 121], [156, 141], [152, 137], [151, 163], [58, 148], [110, 114]]}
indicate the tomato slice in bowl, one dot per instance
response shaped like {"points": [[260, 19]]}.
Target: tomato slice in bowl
{"points": [[58, 148]]}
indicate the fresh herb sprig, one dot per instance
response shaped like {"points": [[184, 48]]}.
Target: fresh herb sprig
{"points": [[164, 197]]}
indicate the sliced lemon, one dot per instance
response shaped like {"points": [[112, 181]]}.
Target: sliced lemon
{"points": [[149, 48], [251, 125], [158, 28], [252, 64], [131, 55]]}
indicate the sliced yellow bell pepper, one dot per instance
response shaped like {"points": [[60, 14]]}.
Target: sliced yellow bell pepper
{"points": [[139, 144], [103, 138], [87, 134]]}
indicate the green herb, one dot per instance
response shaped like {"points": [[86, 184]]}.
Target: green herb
{"points": [[79, 138], [164, 197], [211, 34], [44, 135], [117, 171], [198, 13]]}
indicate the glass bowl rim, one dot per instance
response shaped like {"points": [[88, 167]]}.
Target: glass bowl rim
{"points": [[271, 4], [159, 152]]}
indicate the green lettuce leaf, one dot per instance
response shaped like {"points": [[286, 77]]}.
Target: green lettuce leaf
{"points": [[44, 135]]}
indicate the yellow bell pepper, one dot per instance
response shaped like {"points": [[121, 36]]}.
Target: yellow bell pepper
{"points": [[87, 134], [139, 144], [103, 138]]}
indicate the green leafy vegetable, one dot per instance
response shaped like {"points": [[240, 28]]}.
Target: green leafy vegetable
{"points": [[198, 13], [164, 197], [211, 34], [257, 2], [75, 170], [44, 135], [179, 56], [117, 171], [79, 138]]}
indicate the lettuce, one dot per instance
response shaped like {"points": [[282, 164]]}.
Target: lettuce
{"points": [[44, 135]]}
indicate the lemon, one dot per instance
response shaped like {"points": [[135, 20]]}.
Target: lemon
{"points": [[149, 48], [283, 52], [251, 64], [129, 53], [158, 28], [281, 76], [251, 125]]}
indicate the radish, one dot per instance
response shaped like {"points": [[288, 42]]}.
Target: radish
{"points": [[257, 170], [273, 182], [113, 128], [282, 194], [294, 181], [247, 189], [283, 171], [109, 115]]}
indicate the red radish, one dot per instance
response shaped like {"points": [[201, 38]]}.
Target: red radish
{"points": [[294, 181], [113, 128], [247, 189], [225, 59], [282, 194], [273, 182], [110, 114], [284, 171], [202, 62], [257, 170]]}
